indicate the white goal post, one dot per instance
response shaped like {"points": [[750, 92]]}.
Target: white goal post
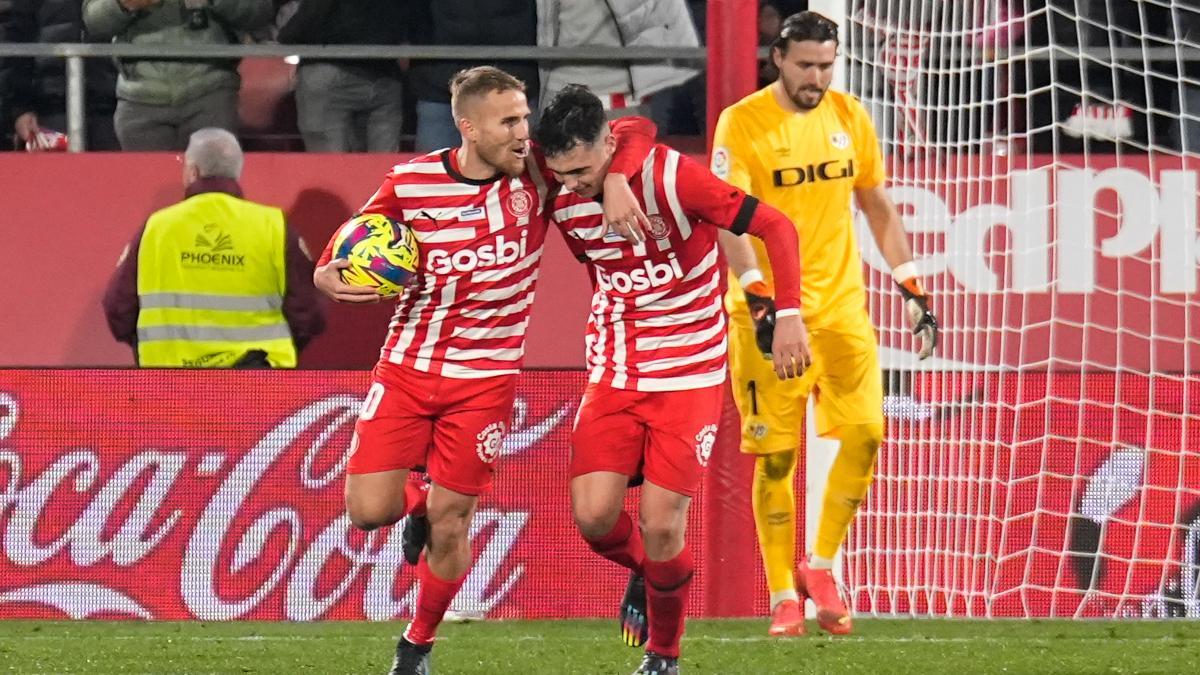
{"points": [[1044, 155]]}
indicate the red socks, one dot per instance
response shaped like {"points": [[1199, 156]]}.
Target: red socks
{"points": [[432, 601], [667, 585], [622, 544]]}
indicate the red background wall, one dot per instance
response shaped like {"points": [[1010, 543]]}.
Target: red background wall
{"points": [[65, 219], [75, 213]]}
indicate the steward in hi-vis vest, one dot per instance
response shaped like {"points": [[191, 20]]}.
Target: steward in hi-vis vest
{"points": [[214, 281]]}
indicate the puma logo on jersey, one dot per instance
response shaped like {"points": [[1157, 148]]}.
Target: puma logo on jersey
{"points": [[798, 175], [501, 252], [649, 275]]}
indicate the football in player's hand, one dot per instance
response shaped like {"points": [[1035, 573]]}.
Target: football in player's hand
{"points": [[381, 251]]}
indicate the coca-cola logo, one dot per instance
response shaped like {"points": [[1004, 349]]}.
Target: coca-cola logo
{"points": [[255, 535]]}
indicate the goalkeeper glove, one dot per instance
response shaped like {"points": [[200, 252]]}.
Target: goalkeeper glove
{"points": [[916, 306], [760, 298]]}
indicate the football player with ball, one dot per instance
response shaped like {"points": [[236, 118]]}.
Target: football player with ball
{"points": [[442, 392]]}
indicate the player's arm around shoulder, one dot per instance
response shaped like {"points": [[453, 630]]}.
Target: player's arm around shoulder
{"points": [[622, 212]]}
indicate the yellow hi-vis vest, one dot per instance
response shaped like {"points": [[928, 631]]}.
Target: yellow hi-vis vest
{"points": [[211, 279]]}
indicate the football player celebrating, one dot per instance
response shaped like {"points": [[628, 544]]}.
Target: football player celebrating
{"points": [[807, 150], [656, 353], [442, 392]]}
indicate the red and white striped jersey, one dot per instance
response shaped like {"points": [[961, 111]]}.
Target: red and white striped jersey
{"points": [[465, 313], [657, 321]]}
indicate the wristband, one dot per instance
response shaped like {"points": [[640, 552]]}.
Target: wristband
{"points": [[750, 276], [791, 311], [904, 271]]}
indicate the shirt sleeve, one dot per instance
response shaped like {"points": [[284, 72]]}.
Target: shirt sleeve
{"points": [[105, 18], [730, 151], [301, 306], [712, 200], [709, 198], [635, 136], [783, 250], [866, 146], [121, 306], [305, 25]]}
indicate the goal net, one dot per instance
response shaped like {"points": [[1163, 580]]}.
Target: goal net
{"points": [[1044, 156]]}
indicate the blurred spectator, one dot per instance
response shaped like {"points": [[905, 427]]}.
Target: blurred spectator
{"points": [[1186, 134], [35, 89], [624, 88], [770, 23], [466, 22], [5, 19], [160, 103], [1105, 110], [348, 106], [215, 281], [284, 9], [935, 84], [1104, 102]]}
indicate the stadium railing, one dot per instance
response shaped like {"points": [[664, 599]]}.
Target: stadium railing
{"points": [[75, 53]]}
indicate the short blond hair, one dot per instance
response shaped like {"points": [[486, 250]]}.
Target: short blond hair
{"points": [[478, 82]]}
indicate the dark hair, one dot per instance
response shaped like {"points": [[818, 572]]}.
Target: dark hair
{"points": [[479, 81], [575, 116], [805, 26]]}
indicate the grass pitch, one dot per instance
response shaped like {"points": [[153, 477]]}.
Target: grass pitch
{"points": [[729, 647]]}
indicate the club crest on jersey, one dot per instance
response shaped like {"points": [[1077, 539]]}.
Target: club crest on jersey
{"points": [[489, 441], [840, 140], [519, 203], [758, 431], [659, 229], [705, 440]]}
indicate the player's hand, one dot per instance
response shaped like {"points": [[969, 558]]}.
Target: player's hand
{"points": [[920, 318], [760, 299], [790, 354], [26, 127], [328, 279], [622, 213]]}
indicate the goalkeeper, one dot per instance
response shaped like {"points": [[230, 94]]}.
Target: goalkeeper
{"points": [[805, 150]]}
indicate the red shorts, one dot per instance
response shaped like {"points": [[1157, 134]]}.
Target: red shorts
{"points": [[665, 436], [454, 428]]}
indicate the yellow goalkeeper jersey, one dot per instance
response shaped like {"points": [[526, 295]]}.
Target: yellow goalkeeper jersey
{"points": [[807, 165]]}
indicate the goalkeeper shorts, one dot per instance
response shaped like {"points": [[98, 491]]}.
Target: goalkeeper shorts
{"points": [[844, 380], [453, 428], [665, 437]]}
